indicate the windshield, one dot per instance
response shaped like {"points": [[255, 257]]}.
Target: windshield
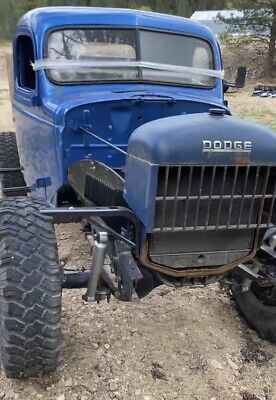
{"points": [[86, 55]]}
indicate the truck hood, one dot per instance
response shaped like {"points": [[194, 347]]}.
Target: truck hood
{"points": [[207, 138]]}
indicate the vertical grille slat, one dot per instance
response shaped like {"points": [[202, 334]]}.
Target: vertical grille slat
{"points": [[199, 195], [232, 196], [164, 196], [176, 196], [271, 206], [243, 196], [260, 211], [215, 197], [210, 197], [221, 195], [253, 195], [187, 197]]}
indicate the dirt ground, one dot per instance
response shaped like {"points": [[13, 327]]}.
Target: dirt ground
{"points": [[175, 344]]}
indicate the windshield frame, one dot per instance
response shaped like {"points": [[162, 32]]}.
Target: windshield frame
{"points": [[139, 80]]}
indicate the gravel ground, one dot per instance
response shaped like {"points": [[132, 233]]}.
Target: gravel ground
{"points": [[175, 344]]}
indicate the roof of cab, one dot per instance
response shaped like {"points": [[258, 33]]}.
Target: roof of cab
{"points": [[42, 19]]}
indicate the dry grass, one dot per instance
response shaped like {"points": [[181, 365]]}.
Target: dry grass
{"points": [[262, 110]]}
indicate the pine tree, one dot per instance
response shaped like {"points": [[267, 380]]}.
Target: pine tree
{"points": [[258, 23]]}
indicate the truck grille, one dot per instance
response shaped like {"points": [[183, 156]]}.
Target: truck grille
{"points": [[215, 197]]}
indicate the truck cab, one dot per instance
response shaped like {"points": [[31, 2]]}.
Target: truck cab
{"points": [[113, 70]]}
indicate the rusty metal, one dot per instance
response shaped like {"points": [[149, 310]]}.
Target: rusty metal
{"points": [[197, 188], [196, 272], [176, 196], [204, 272], [272, 206], [188, 194], [164, 197], [243, 196], [199, 196], [210, 197], [221, 196], [251, 195], [232, 196]]}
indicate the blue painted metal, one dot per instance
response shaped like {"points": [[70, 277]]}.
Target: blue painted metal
{"points": [[43, 182], [150, 141], [46, 118], [159, 124], [178, 140], [114, 119]]}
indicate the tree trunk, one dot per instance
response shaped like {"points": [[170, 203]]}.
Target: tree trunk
{"points": [[271, 51]]}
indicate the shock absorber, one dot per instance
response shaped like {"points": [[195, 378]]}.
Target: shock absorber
{"points": [[98, 258]]}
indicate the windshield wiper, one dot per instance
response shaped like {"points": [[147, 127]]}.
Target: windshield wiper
{"points": [[152, 96]]}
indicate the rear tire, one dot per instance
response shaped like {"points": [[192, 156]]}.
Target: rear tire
{"points": [[30, 289], [9, 159], [258, 310]]}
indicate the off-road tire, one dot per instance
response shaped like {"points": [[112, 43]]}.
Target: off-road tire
{"points": [[9, 159], [259, 316], [30, 289]]}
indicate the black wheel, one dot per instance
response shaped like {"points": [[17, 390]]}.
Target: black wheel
{"points": [[30, 289], [258, 307], [9, 159]]}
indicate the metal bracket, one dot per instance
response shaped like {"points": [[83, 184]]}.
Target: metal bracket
{"points": [[249, 273], [43, 182], [252, 275], [127, 272], [268, 251]]}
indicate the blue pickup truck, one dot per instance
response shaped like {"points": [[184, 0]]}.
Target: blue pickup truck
{"points": [[121, 124]]}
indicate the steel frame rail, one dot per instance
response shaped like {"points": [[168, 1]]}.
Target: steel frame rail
{"points": [[76, 214]]}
